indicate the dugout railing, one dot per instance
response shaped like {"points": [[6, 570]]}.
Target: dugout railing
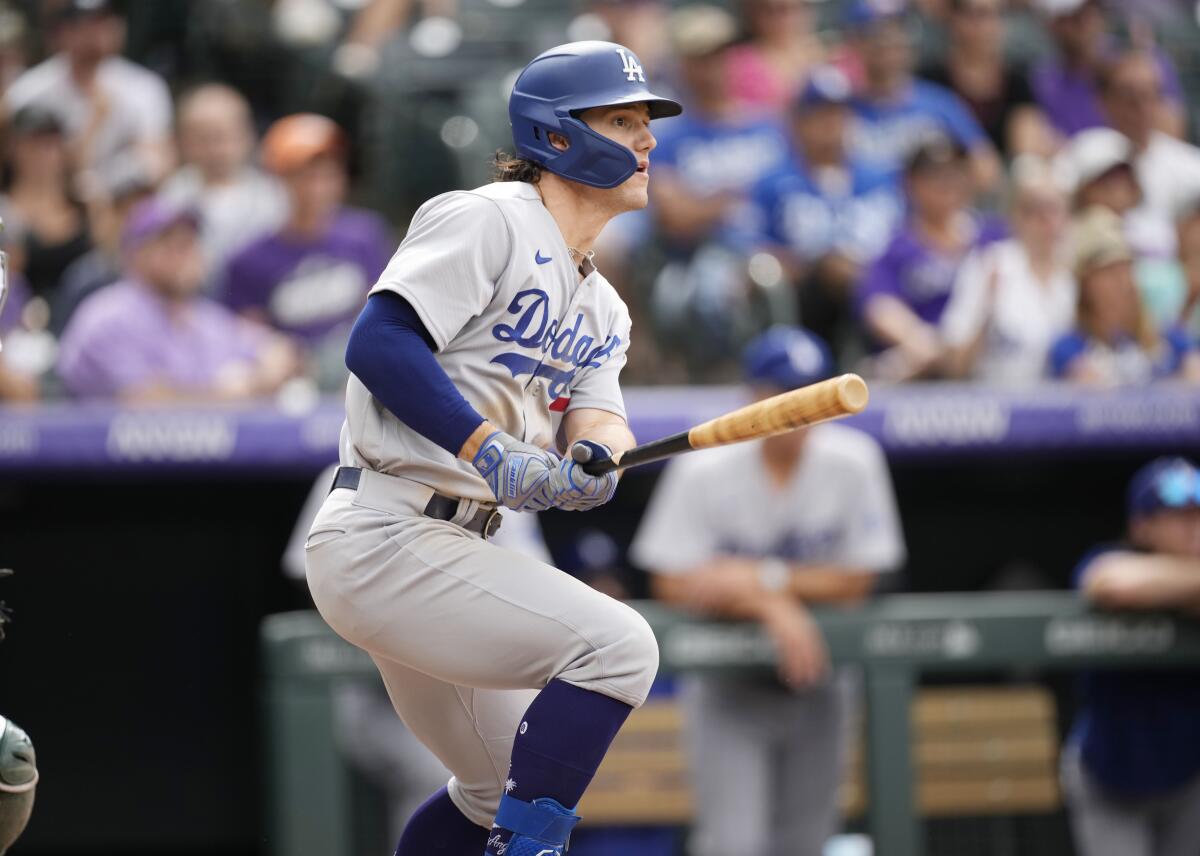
{"points": [[893, 639]]}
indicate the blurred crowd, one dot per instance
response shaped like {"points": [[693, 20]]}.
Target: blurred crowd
{"points": [[1001, 190]]}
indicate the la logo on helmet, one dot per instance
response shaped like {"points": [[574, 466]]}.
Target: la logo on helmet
{"points": [[630, 66]]}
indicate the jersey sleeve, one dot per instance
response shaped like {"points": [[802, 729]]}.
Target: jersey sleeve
{"points": [[599, 382], [674, 535], [873, 539], [447, 266]]}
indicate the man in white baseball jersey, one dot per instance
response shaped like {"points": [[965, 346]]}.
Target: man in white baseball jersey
{"points": [[489, 343], [758, 531]]}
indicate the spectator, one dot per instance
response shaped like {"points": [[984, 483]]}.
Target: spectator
{"points": [[825, 213], [768, 71], [704, 167], [101, 265], [760, 531], [1115, 341], [236, 201], [997, 93], [1097, 169], [117, 114], [905, 290], [48, 228], [707, 160], [311, 278], [1014, 299], [15, 385], [896, 112], [153, 337], [1168, 169], [1131, 766], [1066, 86]]}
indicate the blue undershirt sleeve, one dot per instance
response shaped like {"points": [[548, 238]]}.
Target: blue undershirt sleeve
{"points": [[392, 353]]}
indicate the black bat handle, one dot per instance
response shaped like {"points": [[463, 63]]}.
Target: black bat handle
{"points": [[644, 454]]}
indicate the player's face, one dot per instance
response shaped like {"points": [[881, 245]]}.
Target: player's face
{"points": [[1175, 532], [628, 125]]}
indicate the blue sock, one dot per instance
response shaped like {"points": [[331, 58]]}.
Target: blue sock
{"points": [[559, 745], [438, 827]]}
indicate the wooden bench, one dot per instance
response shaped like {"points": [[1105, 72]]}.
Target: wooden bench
{"points": [[978, 751]]}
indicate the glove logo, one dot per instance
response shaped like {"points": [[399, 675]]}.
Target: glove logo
{"points": [[631, 67]]}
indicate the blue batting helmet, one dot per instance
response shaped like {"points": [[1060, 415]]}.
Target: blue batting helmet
{"points": [[562, 82]]}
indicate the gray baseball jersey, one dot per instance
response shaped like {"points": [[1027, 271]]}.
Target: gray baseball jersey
{"points": [[464, 631], [519, 334], [838, 508]]}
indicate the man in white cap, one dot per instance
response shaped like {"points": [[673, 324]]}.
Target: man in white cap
{"points": [[1097, 168]]}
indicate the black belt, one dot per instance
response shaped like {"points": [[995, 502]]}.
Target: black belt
{"points": [[485, 522]]}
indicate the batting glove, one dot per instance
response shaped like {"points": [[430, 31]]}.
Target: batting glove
{"points": [[518, 473], [572, 489]]}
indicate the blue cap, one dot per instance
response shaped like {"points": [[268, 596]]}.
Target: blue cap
{"points": [[866, 13], [1163, 483], [826, 85], [786, 358]]}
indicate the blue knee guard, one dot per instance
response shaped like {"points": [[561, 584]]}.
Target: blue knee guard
{"points": [[539, 828]]}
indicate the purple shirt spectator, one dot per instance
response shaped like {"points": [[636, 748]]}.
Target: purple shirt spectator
{"points": [[1071, 100], [310, 288], [921, 276], [125, 337]]}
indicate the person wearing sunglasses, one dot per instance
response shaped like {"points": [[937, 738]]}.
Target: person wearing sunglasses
{"points": [[1131, 766]]}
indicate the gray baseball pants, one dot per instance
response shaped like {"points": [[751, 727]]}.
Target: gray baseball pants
{"points": [[464, 633], [767, 764], [1103, 826]]}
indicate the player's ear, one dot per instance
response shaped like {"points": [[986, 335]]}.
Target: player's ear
{"points": [[558, 141]]}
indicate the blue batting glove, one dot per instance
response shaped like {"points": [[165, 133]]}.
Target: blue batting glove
{"points": [[518, 473], [572, 489]]}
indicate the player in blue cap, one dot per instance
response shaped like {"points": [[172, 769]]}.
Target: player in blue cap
{"points": [[489, 346], [1131, 768], [759, 531]]}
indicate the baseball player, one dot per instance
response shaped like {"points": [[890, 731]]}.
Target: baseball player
{"points": [[489, 344], [1131, 766], [757, 531]]}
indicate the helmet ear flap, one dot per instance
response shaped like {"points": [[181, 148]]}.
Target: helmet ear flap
{"points": [[590, 158]]}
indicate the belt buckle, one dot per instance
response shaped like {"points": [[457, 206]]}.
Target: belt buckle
{"points": [[492, 525]]}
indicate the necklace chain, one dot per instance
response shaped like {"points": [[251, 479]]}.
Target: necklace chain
{"points": [[589, 255]]}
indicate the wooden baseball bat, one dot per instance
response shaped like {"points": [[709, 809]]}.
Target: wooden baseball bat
{"points": [[808, 405]]}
